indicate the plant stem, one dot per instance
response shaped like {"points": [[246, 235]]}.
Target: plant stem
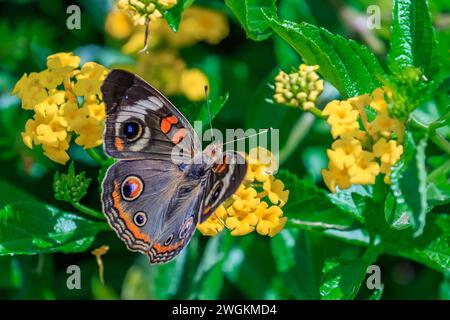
{"points": [[317, 112], [438, 140], [87, 210], [441, 142], [298, 133], [94, 155], [417, 124], [442, 121]]}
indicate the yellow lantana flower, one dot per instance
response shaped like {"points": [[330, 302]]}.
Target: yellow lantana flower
{"points": [[214, 224], [141, 10], [333, 177], [54, 95], [274, 189], [364, 170], [257, 203], [361, 153], [261, 164], [389, 152], [164, 67], [119, 24], [62, 63], [192, 84], [89, 80], [270, 220], [342, 118], [344, 152], [30, 90]]}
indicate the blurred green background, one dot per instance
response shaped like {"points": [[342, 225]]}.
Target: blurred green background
{"points": [[221, 267]]}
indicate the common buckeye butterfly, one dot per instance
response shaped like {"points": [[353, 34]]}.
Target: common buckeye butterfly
{"points": [[162, 184]]}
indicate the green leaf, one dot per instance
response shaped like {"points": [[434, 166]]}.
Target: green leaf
{"points": [[173, 16], [215, 105], [28, 226], [396, 214], [351, 200], [11, 274], [166, 278], [438, 188], [209, 277], [444, 287], [199, 111], [376, 295], [432, 248], [438, 194], [250, 271], [408, 180], [413, 39], [343, 277], [249, 14], [350, 67], [308, 206], [297, 261]]}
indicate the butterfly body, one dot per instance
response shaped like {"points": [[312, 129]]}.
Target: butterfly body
{"points": [[163, 184]]}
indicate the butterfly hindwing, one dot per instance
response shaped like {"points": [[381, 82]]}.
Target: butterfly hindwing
{"points": [[151, 206], [224, 179]]}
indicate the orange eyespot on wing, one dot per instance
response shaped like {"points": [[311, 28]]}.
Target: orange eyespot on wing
{"points": [[132, 188], [126, 218]]}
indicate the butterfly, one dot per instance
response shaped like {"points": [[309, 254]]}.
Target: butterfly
{"points": [[163, 184]]}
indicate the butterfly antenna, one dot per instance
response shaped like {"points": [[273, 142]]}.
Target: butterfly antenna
{"points": [[209, 111], [147, 34], [221, 221], [252, 135]]}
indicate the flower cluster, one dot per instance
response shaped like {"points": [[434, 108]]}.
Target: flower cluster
{"points": [[70, 187], [298, 89], [143, 10], [363, 147], [66, 99], [164, 68], [256, 205]]}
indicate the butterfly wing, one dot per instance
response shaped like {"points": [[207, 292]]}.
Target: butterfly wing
{"points": [[223, 180], [142, 124], [151, 206]]}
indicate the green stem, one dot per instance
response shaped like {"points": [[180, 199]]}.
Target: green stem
{"points": [[87, 210], [296, 136], [417, 124], [317, 112], [442, 121], [94, 155], [441, 142], [438, 140]]}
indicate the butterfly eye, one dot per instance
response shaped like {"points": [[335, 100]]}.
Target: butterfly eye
{"points": [[132, 130], [140, 218], [216, 191]]}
